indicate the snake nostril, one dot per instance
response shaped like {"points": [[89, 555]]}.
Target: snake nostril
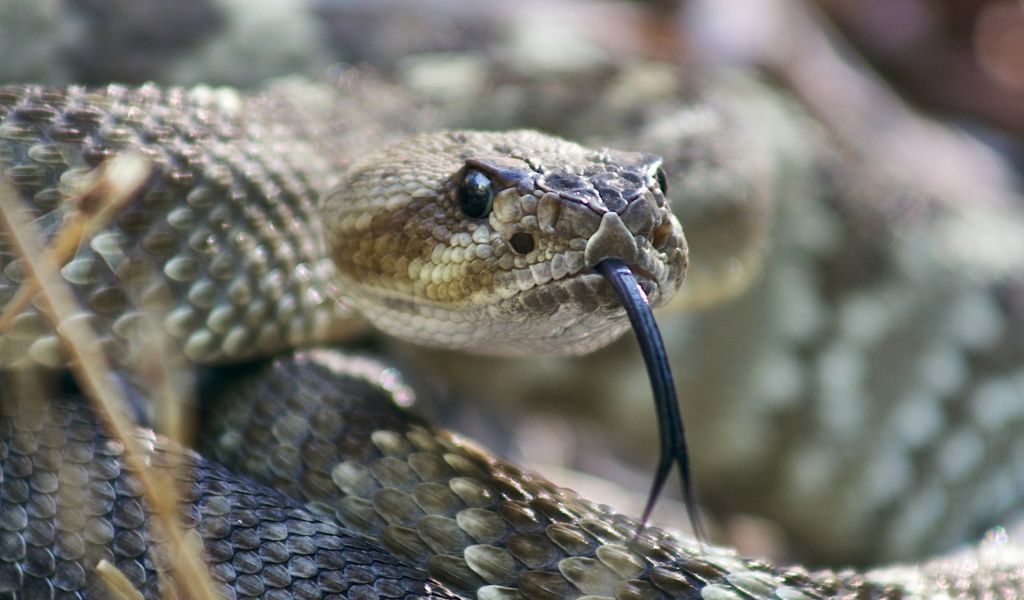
{"points": [[661, 234], [521, 242]]}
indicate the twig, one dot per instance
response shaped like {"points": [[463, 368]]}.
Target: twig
{"points": [[90, 365], [116, 582], [112, 186]]}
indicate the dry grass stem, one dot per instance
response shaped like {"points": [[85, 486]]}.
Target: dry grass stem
{"points": [[119, 586], [112, 186], [90, 365]]}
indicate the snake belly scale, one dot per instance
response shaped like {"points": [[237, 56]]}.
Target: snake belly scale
{"points": [[265, 271]]}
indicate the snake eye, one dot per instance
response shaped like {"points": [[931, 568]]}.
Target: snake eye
{"points": [[662, 180], [476, 194]]}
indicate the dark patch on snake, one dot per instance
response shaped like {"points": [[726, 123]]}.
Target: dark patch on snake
{"points": [[68, 501]]}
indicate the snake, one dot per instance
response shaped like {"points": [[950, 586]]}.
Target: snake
{"points": [[257, 233]]}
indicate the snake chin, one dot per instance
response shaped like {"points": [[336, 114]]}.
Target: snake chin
{"points": [[588, 313], [574, 315], [589, 317]]}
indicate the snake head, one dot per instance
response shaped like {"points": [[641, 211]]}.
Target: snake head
{"points": [[489, 240]]}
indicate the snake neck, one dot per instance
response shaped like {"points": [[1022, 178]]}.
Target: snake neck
{"points": [[238, 257]]}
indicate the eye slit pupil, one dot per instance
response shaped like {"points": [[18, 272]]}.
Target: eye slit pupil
{"points": [[476, 194], [521, 242], [662, 180]]}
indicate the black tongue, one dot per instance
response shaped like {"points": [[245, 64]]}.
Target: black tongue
{"points": [[670, 422]]}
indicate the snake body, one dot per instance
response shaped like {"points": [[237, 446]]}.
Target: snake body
{"points": [[389, 235], [473, 522]]}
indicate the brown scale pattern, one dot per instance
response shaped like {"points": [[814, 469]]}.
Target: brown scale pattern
{"points": [[239, 283], [473, 521]]}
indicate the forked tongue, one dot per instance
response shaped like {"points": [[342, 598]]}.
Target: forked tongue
{"points": [[670, 422]]}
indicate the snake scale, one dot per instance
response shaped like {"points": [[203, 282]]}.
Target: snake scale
{"points": [[434, 502]]}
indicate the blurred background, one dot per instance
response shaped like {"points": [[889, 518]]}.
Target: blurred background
{"points": [[850, 169], [962, 60]]}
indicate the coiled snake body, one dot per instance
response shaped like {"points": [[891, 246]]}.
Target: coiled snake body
{"points": [[239, 257]]}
